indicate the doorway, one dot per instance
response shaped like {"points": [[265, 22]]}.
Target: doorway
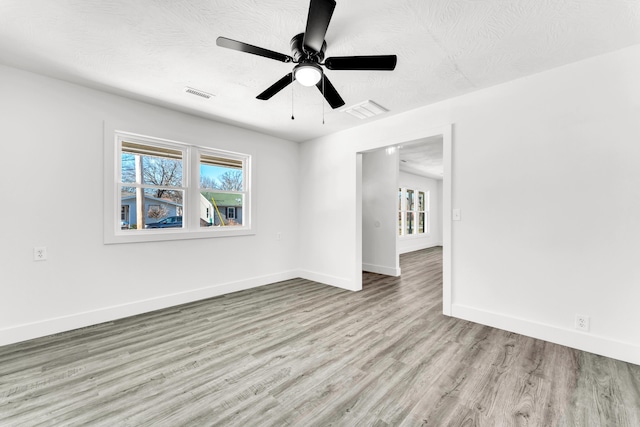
{"points": [[374, 231]]}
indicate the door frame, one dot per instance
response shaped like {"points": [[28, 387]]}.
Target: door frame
{"points": [[446, 132]]}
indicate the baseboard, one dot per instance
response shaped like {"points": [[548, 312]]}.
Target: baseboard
{"points": [[326, 279], [56, 325], [412, 248], [596, 344], [380, 269]]}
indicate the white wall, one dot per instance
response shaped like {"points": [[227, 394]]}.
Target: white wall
{"points": [[51, 175], [379, 213], [546, 173], [416, 242]]}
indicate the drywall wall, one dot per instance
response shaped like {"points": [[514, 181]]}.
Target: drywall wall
{"points": [[51, 175], [379, 215], [433, 237], [545, 172]]}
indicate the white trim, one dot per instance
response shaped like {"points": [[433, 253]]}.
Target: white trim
{"points": [[326, 279], [447, 239], [381, 269], [357, 279], [597, 344], [88, 318], [418, 246]]}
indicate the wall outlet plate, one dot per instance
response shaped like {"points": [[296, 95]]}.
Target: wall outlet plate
{"points": [[582, 322], [39, 253]]}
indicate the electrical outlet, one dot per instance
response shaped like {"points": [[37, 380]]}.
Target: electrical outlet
{"points": [[582, 322], [39, 253]]}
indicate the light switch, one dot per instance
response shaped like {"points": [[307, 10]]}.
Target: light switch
{"points": [[456, 214]]}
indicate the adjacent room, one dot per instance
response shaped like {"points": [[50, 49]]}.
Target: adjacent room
{"points": [[320, 212]]}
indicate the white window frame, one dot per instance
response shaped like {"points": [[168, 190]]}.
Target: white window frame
{"points": [[416, 213], [191, 229]]}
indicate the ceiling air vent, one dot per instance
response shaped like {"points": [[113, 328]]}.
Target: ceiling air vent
{"points": [[197, 92], [365, 109]]}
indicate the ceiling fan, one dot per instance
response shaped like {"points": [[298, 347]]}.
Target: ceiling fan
{"points": [[308, 50]]}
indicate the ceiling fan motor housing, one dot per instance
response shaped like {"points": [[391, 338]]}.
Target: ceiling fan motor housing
{"points": [[300, 55]]}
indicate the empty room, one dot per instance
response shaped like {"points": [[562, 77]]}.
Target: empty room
{"points": [[320, 212]]}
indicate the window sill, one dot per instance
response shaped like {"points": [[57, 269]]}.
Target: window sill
{"points": [[142, 236]]}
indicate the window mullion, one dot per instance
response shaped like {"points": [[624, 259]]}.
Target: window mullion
{"points": [[193, 186]]}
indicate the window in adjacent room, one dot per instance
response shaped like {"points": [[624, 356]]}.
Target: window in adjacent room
{"points": [[421, 212], [413, 211]]}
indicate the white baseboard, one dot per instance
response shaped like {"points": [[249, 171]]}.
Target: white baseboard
{"points": [[416, 247], [603, 346], [56, 325], [326, 279], [380, 269]]}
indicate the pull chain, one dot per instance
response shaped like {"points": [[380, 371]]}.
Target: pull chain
{"points": [[323, 98], [292, 78]]}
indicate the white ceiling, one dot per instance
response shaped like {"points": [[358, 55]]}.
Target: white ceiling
{"points": [[151, 49], [423, 157]]}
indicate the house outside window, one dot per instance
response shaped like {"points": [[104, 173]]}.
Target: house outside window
{"points": [[151, 181], [177, 190], [222, 186], [413, 212]]}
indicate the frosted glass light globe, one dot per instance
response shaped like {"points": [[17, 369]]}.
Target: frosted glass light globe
{"points": [[308, 74]]}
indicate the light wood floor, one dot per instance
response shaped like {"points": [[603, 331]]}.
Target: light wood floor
{"points": [[300, 353]]}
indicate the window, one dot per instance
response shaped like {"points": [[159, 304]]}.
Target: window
{"points": [[420, 212], [165, 190], [409, 213], [413, 212], [222, 190], [231, 213]]}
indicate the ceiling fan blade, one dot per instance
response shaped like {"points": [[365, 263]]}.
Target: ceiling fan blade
{"points": [[372, 62], [255, 50], [276, 87], [330, 93], [320, 12]]}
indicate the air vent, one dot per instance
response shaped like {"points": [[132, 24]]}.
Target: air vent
{"points": [[365, 109], [197, 92]]}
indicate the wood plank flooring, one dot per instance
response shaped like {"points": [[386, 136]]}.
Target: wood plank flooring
{"points": [[298, 353]]}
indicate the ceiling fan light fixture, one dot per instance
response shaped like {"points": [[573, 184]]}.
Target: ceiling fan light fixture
{"points": [[307, 73]]}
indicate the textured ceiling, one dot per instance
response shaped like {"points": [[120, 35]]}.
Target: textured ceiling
{"points": [[423, 157], [152, 49]]}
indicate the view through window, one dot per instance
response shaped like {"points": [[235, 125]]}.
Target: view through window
{"points": [[221, 190], [156, 191]]}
